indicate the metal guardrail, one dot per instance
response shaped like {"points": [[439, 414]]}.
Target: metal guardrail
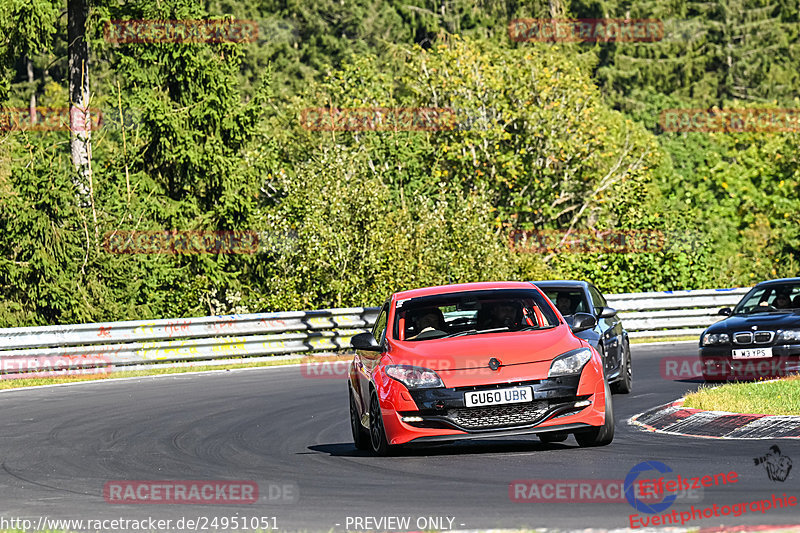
{"points": [[671, 313], [121, 344]]}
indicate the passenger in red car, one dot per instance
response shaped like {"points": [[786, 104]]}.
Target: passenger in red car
{"points": [[500, 315], [430, 323]]}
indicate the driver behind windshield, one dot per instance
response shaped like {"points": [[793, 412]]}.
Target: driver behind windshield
{"points": [[428, 324], [564, 303], [782, 301]]}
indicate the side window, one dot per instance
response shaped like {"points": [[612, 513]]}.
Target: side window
{"points": [[379, 330], [597, 298]]}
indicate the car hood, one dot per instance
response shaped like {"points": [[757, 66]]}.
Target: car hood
{"points": [[773, 321], [475, 351]]}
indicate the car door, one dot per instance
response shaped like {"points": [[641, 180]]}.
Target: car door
{"points": [[366, 361]]}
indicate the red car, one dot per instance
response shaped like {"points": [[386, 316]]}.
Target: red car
{"points": [[476, 360]]}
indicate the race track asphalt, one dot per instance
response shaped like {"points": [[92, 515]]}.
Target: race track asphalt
{"points": [[290, 434]]}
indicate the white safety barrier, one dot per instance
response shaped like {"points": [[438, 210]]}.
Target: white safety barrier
{"points": [[671, 313], [118, 344]]}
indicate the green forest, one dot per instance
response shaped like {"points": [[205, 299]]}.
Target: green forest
{"points": [[210, 136]]}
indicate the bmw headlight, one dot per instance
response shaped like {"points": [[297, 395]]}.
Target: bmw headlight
{"points": [[715, 338], [414, 377], [787, 336], [569, 363]]}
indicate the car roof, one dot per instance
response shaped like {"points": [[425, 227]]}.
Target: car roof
{"points": [[571, 283], [778, 281], [461, 287]]}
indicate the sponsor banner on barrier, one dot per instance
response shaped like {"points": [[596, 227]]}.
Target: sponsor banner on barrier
{"points": [[730, 120], [181, 242], [56, 366], [585, 30], [378, 119], [586, 241], [180, 31]]}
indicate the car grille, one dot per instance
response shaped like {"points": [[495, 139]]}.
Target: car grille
{"points": [[498, 415], [758, 337]]}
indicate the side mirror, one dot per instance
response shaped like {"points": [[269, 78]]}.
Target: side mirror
{"points": [[725, 311], [606, 312], [366, 342], [581, 322]]}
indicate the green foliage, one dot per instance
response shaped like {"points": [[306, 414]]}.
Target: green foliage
{"points": [[27, 28], [355, 246], [744, 188], [546, 136], [42, 237], [712, 53]]}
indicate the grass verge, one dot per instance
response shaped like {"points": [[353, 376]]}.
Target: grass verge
{"points": [[158, 370], [762, 398]]}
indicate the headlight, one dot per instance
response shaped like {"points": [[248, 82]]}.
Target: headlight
{"points": [[788, 335], [716, 338], [571, 362], [414, 377]]}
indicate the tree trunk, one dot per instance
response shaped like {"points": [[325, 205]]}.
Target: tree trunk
{"points": [[556, 9], [80, 123], [31, 80]]}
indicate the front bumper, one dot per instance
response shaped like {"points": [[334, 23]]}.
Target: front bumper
{"points": [[719, 364], [430, 439], [441, 414], [445, 408]]}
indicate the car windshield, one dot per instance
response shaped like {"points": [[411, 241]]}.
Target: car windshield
{"points": [[472, 313], [567, 300], [770, 299]]}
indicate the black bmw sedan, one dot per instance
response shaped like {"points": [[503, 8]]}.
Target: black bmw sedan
{"points": [[608, 337], [759, 339]]}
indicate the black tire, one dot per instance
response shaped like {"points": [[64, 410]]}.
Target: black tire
{"points": [[600, 435], [360, 433], [377, 432], [549, 438], [625, 383]]}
